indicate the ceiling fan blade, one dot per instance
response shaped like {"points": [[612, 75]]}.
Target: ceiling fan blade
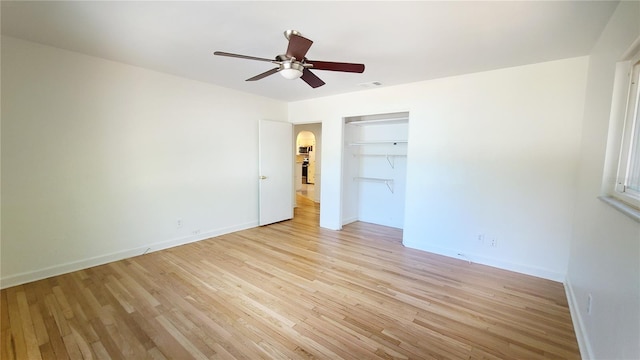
{"points": [[298, 46], [264, 74], [222, 53], [311, 79], [336, 66]]}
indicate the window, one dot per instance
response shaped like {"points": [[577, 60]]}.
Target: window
{"points": [[627, 186]]}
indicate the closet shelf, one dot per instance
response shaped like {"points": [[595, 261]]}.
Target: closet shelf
{"points": [[378, 142], [389, 157], [388, 182], [400, 120]]}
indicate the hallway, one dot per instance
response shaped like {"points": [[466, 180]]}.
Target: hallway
{"points": [[307, 191]]}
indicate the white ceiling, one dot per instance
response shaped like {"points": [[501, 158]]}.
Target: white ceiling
{"points": [[399, 42]]}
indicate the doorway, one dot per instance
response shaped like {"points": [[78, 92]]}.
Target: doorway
{"points": [[307, 161]]}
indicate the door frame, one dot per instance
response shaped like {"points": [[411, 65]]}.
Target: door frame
{"points": [[318, 149]]}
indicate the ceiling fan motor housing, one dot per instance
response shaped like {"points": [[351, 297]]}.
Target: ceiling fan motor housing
{"points": [[288, 33]]}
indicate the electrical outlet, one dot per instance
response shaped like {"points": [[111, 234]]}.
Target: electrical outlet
{"points": [[589, 304], [481, 238], [179, 223], [196, 232], [493, 242]]}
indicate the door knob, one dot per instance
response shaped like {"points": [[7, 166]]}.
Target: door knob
{"points": [[262, 177]]}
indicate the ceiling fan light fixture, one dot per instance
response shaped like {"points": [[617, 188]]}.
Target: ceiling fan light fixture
{"points": [[291, 70], [294, 65]]}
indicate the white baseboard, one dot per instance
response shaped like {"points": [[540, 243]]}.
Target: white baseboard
{"points": [[44, 273], [505, 265], [586, 352], [349, 220]]}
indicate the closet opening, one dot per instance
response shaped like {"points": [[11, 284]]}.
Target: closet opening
{"points": [[375, 168]]}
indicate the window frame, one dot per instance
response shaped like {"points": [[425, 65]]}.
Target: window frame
{"points": [[625, 130], [629, 139]]}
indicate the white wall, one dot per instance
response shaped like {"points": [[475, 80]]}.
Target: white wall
{"points": [[492, 153], [100, 160], [374, 201], [605, 251]]}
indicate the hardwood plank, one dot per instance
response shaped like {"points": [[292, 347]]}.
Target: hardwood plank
{"points": [[38, 325], [16, 341], [55, 339], [100, 351], [7, 348], [181, 338], [289, 290]]}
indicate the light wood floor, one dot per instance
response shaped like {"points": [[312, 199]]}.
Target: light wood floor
{"points": [[307, 191], [289, 290]]}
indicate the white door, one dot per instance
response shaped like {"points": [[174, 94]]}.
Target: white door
{"points": [[276, 171]]}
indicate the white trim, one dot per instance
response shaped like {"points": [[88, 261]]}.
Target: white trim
{"points": [[635, 46], [349, 220], [505, 265], [623, 120], [25, 277], [621, 206], [586, 351]]}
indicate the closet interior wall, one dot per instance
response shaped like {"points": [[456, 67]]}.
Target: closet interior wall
{"points": [[375, 167]]}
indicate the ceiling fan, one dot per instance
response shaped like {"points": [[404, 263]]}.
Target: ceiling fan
{"points": [[294, 64]]}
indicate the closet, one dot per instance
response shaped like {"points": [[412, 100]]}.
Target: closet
{"points": [[375, 167]]}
